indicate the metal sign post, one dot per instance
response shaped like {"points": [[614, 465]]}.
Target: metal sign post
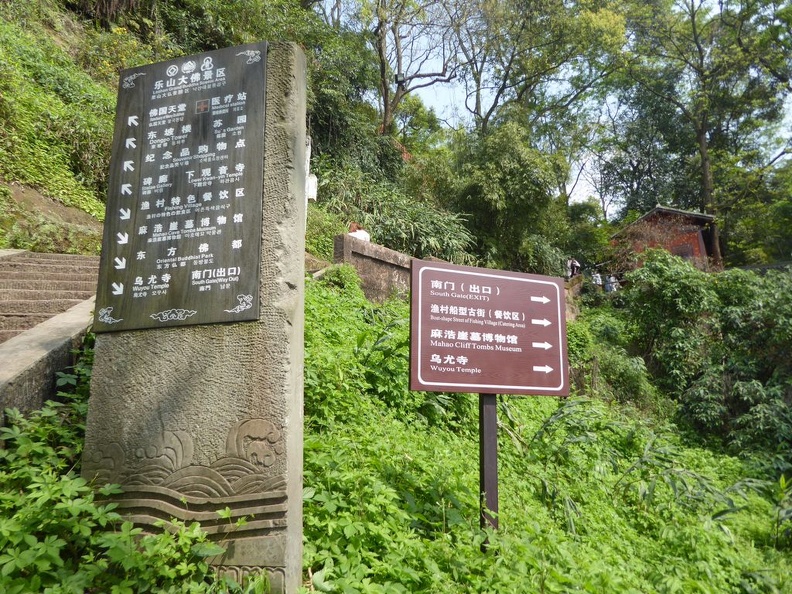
{"points": [[488, 459]]}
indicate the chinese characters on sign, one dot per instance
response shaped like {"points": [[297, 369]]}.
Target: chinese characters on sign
{"points": [[487, 331], [182, 235]]}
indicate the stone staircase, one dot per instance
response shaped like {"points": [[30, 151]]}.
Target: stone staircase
{"points": [[35, 287]]}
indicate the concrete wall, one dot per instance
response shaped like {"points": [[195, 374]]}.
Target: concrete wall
{"points": [[30, 360]]}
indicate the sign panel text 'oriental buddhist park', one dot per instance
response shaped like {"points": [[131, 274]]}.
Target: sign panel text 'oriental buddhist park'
{"points": [[182, 233], [487, 331]]}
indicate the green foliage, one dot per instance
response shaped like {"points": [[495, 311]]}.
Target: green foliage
{"points": [[591, 499], [392, 218], [669, 302], [718, 343], [596, 344], [320, 230], [56, 535], [580, 343], [106, 52], [34, 231], [56, 123], [744, 392], [589, 235], [504, 188], [7, 215], [366, 357]]}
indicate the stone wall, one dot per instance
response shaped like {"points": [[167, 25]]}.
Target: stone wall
{"points": [[384, 272]]}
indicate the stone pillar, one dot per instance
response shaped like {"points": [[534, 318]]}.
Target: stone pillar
{"points": [[195, 419]]}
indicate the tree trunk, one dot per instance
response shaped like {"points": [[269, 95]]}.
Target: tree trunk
{"points": [[707, 191]]}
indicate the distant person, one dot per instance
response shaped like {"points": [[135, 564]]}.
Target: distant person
{"points": [[596, 278], [357, 230], [575, 267], [611, 284]]}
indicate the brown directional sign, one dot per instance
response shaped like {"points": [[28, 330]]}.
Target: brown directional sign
{"points": [[487, 331], [182, 236]]}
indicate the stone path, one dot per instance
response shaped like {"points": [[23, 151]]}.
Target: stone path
{"points": [[35, 287]]}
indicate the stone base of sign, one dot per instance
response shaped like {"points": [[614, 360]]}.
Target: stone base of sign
{"points": [[196, 420]]}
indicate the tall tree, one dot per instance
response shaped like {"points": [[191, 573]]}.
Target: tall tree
{"points": [[539, 54], [640, 154], [412, 43], [719, 93], [505, 188], [763, 30]]}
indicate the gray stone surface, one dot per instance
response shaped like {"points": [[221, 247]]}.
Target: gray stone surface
{"points": [[30, 360], [195, 419], [384, 272]]}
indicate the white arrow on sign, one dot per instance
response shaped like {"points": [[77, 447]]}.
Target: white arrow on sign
{"points": [[120, 263], [131, 143], [118, 288], [126, 189], [129, 165], [542, 345], [542, 322], [132, 120], [545, 368], [122, 237], [542, 299], [126, 213]]}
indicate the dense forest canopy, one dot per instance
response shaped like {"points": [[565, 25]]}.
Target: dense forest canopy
{"points": [[683, 103]]}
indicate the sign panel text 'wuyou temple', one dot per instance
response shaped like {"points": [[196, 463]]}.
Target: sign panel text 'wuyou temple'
{"points": [[487, 331]]}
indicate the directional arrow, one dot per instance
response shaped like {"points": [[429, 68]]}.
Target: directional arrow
{"points": [[118, 288], [129, 165], [542, 345], [545, 368], [542, 299], [123, 238], [126, 189], [126, 213], [132, 120], [120, 263], [542, 322], [131, 143]]}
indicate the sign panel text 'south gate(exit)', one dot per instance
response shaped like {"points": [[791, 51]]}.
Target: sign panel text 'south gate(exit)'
{"points": [[487, 331]]}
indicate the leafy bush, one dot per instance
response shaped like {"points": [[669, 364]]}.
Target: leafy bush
{"points": [[56, 123], [392, 218], [744, 393], [718, 343], [106, 52], [357, 356], [55, 536], [669, 303], [321, 229]]}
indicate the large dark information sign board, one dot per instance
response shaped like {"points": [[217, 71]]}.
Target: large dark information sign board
{"points": [[182, 235], [487, 331]]}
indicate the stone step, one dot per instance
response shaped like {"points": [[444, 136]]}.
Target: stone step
{"points": [[25, 294], [44, 258], [54, 273], [21, 321], [14, 264], [47, 285], [38, 306], [35, 287], [8, 334]]}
